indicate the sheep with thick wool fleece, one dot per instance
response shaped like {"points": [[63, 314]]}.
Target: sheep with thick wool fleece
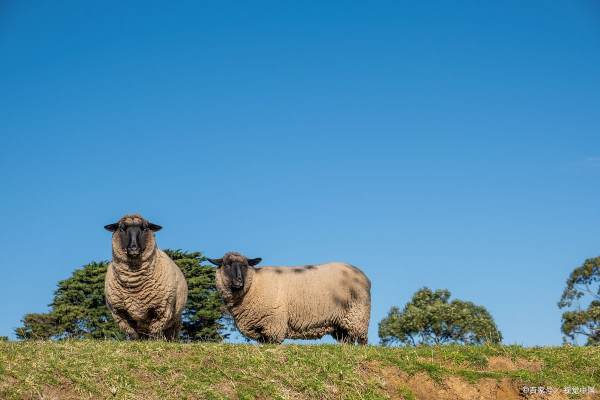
{"points": [[145, 290], [270, 304]]}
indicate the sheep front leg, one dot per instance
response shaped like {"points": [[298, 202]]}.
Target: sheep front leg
{"points": [[173, 332], [159, 324], [127, 325], [156, 329], [274, 331]]}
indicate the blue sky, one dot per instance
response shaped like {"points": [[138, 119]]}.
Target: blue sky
{"points": [[449, 144]]}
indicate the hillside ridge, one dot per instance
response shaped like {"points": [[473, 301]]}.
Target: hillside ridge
{"points": [[160, 370]]}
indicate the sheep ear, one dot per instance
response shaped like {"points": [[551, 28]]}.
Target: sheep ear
{"points": [[154, 227], [254, 261], [111, 227], [216, 261]]}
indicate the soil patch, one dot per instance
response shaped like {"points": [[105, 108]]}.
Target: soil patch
{"points": [[398, 385]]}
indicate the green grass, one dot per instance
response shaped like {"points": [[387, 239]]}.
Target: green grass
{"points": [[160, 370]]}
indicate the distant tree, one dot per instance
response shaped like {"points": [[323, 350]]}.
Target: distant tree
{"points": [[79, 311], [430, 318], [3, 338], [37, 326], [582, 294]]}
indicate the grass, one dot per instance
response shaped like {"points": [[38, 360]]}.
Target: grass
{"points": [[160, 370]]}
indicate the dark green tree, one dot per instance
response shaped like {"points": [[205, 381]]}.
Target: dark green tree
{"points": [[582, 295], [430, 318], [78, 309], [37, 326]]}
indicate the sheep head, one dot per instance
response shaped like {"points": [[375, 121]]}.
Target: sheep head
{"points": [[235, 268], [133, 234]]}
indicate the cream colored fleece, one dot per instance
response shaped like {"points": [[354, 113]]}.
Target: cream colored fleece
{"points": [[146, 300], [301, 303]]}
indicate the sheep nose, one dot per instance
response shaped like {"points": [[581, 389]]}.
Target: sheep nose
{"points": [[133, 250], [237, 284]]}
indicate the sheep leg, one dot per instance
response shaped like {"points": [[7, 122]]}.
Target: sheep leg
{"points": [[126, 324], [272, 334], [341, 335], [172, 332], [350, 336], [156, 329], [269, 340], [159, 323], [356, 324], [360, 336]]}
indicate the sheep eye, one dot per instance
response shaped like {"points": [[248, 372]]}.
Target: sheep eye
{"points": [[122, 228]]}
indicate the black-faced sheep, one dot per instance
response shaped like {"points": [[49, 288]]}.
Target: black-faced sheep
{"points": [[270, 304], [145, 290]]}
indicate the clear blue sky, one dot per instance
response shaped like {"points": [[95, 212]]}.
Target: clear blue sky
{"points": [[449, 144]]}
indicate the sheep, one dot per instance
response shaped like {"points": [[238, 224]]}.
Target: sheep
{"points": [[270, 304], [145, 290]]}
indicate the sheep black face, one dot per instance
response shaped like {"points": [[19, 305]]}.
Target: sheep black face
{"points": [[133, 233], [235, 268]]}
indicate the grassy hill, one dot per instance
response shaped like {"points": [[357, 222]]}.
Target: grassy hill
{"points": [[159, 370]]}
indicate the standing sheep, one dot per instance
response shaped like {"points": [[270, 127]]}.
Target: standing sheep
{"points": [[271, 304], [145, 290]]}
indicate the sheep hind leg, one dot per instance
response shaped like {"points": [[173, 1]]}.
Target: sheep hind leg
{"points": [[363, 340], [341, 335], [356, 336], [356, 324], [347, 336]]}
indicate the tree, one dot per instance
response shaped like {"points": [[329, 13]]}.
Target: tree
{"points": [[429, 318], [79, 311], [583, 295]]}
